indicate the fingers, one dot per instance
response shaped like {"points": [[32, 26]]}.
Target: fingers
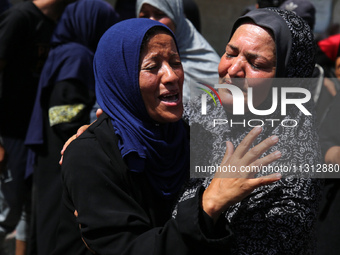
{"points": [[99, 112], [264, 180], [64, 148], [229, 151], [253, 154], [81, 130], [67, 143], [61, 160], [247, 142], [2, 159]]}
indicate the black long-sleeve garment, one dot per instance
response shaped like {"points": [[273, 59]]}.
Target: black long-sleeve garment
{"points": [[119, 213]]}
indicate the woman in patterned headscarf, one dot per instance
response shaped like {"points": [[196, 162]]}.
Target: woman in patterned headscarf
{"points": [[279, 218], [199, 59]]}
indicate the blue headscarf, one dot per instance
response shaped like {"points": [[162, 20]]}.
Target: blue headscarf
{"points": [[71, 57], [159, 150]]}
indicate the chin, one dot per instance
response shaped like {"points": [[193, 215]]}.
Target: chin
{"points": [[168, 117]]}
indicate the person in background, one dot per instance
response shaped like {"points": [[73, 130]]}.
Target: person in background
{"points": [[303, 8], [199, 59], [269, 3], [328, 51], [64, 99], [330, 144], [192, 13], [25, 31]]}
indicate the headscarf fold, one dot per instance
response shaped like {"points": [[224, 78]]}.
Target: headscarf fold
{"points": [[288, 32], [199, 59], [159, 150]]}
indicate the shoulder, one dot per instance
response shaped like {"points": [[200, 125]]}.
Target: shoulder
{"points": [[94, 158], [100, 134]]}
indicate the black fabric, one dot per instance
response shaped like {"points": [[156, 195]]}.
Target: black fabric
{"points": [[25, 34], [192, 13], [118, 211], [47, 174]]}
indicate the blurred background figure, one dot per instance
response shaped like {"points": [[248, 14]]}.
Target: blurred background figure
{"points": [[4, 5], [63, 103], [126, 9], [304, 8], [328, 51], [262, 4], [25, 32]]}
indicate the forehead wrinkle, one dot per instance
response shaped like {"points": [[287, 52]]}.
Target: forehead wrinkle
{"points": [[153, 55], [248, 54], [233, 47]]}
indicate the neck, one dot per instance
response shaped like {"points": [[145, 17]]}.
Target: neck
{"points": [[51, 8]]}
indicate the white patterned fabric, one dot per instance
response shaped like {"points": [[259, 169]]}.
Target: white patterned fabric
{"points": [[277, 218]]}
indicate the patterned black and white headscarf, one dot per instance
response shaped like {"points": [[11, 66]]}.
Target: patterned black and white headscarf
{"points": [[278, 218]]}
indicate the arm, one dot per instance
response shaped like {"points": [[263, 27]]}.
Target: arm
{"points": [[227, 189], [73, 137], [122, 226], [69, 107], [111, 219]]}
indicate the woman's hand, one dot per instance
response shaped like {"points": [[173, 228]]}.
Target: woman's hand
{"points": [[228, 188], [79, 132], [2, 159]]}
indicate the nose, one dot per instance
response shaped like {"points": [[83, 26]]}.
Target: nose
{"points": [[236, 68], [169, 76]]}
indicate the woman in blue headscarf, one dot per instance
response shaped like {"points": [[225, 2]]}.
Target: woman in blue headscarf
{"points": [[64, 99], [123, 175], [199, 59]]}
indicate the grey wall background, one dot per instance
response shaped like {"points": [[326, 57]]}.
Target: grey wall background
{"points": [[217, 17]]}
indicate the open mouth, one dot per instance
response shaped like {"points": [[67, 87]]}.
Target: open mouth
{"points": [[169, 98]]}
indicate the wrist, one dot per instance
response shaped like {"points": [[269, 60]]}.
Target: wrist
{"points": [[211, 206]]}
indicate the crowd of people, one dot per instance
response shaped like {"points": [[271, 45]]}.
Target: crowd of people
{"points": [[124, 185]]}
